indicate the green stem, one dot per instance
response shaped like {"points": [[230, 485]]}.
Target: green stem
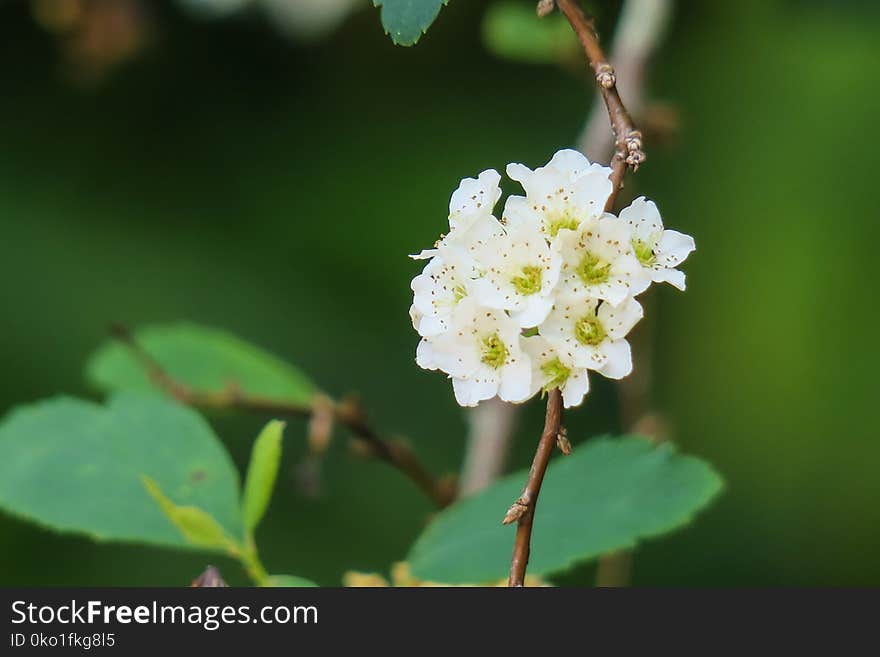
{"points": [[250, 561]]}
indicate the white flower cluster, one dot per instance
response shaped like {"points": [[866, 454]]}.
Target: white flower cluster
{"points": [[534, 301]]}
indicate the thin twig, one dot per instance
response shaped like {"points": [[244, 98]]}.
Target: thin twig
{"points": [[347, 412], [628, 141], [628, 153], [639, 31], [523, 510]]}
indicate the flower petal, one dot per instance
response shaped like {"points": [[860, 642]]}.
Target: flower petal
{"points": [[575, 388], [619, 320], [516, 380], [643, 217], [674, 247], [672, 276], [476, 194], [470, 392], [534, 312], [619, 359], [425, 355]]}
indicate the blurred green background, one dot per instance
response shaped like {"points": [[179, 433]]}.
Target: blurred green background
{"points": [[271, 186]]}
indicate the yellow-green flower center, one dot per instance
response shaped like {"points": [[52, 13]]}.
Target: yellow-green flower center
{"points": [[644, 252], [562, 220], [493, 351], [528, 281], [555, 374], [459, 293], [592, 270], [589, 330]]}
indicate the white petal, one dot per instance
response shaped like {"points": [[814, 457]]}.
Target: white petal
{"points": [[489, 294], [619, 359], [424, 254], [559, 324], [614, 291], [592, 190], [431, 326], [574, 390], [539, 351], [639, 278], [539, 183], [516, 380], [423, 286], [456, 355], [415, 316], [518, 211], [425, 356], [520, 173], [569, 161], [469, 392], [476, 194], [674, 247], [618, 321], [611, 238], [672, 276], [534, 312], [643, 217]]}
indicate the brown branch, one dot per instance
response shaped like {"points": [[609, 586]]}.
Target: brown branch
{"points": [[347, 412], [639, 31], [628, 140], [523, 510], [628, 153]]}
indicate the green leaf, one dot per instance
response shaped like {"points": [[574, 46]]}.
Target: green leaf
{"points": [[606, 496], [514, 31], [77, 466], [406, 20], [289, 581], [205, 359], [197, 526], [261, 474]]}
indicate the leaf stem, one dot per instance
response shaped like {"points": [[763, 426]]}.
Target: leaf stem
{"points": [[347, 412], [250, 561]]}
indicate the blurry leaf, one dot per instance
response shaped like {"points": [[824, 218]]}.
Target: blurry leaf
{"points": [[262, 470], [406, 20], [606, 496], [514, 31], [76, 466], [205, 359], [197, 526], [289, 581]]}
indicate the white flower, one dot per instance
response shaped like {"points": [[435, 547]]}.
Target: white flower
{"points": [[659, 251], [520, 272], [591, 335], [598, 261], [445, 281], [555, 369], [482, 353], [471, 222], [424, 354], [561, 195], [557, 264], [474, 200]]}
